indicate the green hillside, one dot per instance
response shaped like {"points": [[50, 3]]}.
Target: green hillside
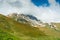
{"points": [[18, 30], [12, 30]]}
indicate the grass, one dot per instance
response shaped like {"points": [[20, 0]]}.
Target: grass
{"points": [[6, 36]]}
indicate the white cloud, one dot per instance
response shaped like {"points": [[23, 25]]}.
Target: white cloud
{"points": [[11, 0], [46, 14]]}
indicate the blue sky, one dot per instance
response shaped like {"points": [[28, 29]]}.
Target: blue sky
{"points": [[58, 1], [40, 2], [45, 10]]}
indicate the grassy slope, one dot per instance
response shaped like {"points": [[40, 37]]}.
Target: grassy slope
{"points": [[18, 30], [10, 29], [52, 33]]}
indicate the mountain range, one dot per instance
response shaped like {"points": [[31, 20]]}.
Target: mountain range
{"points": [[27, 19]]}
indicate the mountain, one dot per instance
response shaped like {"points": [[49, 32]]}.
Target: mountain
{"points": [[31, 20], [13, 30], [10, 29], [27, 19]]}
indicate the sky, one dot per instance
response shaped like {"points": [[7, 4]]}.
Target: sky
{"points": [[45, 10]]}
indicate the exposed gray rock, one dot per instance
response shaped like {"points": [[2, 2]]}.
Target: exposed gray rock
{"points": [[27, 19]]}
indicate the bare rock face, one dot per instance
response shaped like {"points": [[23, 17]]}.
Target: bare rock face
{"points": [[53, 26], [13, 15], [27, 19]]}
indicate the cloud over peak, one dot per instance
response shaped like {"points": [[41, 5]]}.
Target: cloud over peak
{"points": [[46, 14]]}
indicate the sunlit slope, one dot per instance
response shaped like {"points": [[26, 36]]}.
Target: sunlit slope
{"points": [[18, 30], [51, 31]]}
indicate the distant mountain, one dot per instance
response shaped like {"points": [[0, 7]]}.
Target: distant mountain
{"points": [[27, 19]]}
